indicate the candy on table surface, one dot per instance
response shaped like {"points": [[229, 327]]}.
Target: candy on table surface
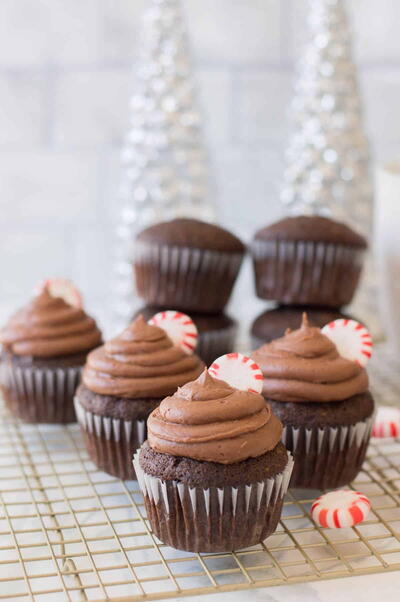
{"points": [[351, 338], [239, 371], [340, 508], [63, 288], [387, 422], [179, 327]]}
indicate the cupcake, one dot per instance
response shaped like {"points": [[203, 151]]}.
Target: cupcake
{"points": [[217, 332], [316, 384], [187, 264], [44, 346], [273, 323], [122, 382], [307, 260], [213, 471]]}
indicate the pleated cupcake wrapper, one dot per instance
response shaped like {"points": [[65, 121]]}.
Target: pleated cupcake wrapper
{"points": [[186, 277], [214, 343], [111, 428], [327, 458], [359, 433], [41, 394], [264, 493], [322, 264], [111, 442]]}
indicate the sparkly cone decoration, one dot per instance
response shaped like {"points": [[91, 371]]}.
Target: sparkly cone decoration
{"points": [[163, 160], [327, 160]]}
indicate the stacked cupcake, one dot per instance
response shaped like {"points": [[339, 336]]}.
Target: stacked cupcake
{"points": [[304, 263], [190, 265]]}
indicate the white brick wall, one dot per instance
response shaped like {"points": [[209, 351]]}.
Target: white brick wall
{"points": [[65, 81]]}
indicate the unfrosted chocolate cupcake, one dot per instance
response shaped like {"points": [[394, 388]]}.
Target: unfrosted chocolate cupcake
{"points": [[217, 332], [308, 260], [273, 323], [45, 345], [213, 471], [323, 402], [187, 264], [122, 382]]}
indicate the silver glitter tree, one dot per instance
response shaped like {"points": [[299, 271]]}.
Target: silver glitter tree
{"points": [[327, 169], [164, 164], [327, 160]]}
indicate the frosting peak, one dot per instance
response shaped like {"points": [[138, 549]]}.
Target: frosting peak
{"points": [[141, 362], [209, 420], [49, 327], [304, 365]]}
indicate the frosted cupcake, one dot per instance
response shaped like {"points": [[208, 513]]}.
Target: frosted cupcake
{"points": [[316, 384], [213, 471], [122, 382], [45, 345]]}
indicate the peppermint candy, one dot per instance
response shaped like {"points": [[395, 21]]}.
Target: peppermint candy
{"points": [[387, 422], [239, 371], [179, 327], [341, 508], [63, 288], [351, 338]]}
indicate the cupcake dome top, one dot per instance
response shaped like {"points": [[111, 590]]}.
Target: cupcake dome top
{"points": [[49, 327], [313, 228], [305, 366], [209, 420], [185, 232], [142, 362]]}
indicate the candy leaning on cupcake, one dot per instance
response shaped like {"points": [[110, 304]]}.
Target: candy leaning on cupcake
{"points": [[125, 379], [317, 385], [44, 346], [214, 471]]}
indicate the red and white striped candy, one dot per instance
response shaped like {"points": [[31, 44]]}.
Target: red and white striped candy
{"points": [[239, 371], [351, 338], [63, 288], [387, 422], [341, 508], [179, 327]]}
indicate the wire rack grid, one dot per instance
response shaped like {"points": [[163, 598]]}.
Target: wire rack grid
{"points": [[69, 532]]}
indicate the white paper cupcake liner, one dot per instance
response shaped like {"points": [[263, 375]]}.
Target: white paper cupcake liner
{"points": [[193, 279], [213, 519], [111, 442], [301, 272], [326, 458], [41, 395]]}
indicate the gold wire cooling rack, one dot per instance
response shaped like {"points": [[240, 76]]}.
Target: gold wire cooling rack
{"points": [[71, 532]]}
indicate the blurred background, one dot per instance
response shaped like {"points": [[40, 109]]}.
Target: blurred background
{"points": [[65, 83]]}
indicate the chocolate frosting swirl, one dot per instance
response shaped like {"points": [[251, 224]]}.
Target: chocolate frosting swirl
{"points": [[304, 365], [49, 327], [141, 362], [209, 420]]}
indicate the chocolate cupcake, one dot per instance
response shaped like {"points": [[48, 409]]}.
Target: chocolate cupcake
{"points": [[122, 382], [45, 345], [217, 332], [213, 471], [308, 260], [187, 264], [273, 323], [322, 398]]}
